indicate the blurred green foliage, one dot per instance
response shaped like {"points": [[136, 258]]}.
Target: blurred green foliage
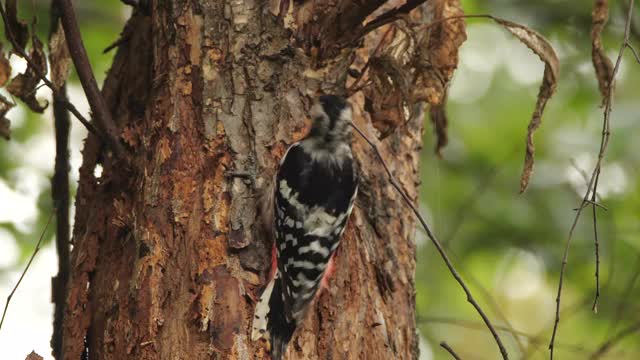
{"points": [[507, 246]]}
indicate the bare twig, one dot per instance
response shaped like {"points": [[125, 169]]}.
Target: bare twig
{"points": [[634, 52], [628, 288], [474, 325], [56, 94], [446, 346], [121, 40], [595, 174], [469, 203], [436, 243], [614, 340], [490, 300], [594, 307], [85, 73], [33, 255]]}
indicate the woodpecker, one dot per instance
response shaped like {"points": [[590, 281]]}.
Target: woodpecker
{"points": [[313, 195]]}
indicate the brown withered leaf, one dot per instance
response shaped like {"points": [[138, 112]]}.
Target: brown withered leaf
{"points": [[33, 356], [59, 57], [601, 62], [5, 128], [23, 86], [385, 99], [438, 116], [541, 47], [19, 28], [437, 53], [5, 106], [5, 68]]}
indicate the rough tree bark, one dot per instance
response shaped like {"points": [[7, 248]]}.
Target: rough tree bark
{"points": [[168, 259]]}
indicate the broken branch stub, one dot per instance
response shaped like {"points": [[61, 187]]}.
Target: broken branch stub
{"points": [[59, 57]]}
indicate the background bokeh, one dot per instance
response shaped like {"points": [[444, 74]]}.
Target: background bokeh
{"points": [[507, 246]]}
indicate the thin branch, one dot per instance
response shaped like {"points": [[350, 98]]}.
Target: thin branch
{"points": [[469, 203], [635, 53], [473, 325], [389, 17], [491, 301], [35, 251], [446, 346], [60, 195], [614, 340], [85, 73], [436, 243], [628, 288], [56, 94], [121, 40], [594, 307], [595, 174]]}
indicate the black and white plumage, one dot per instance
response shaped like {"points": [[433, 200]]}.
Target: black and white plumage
{"points": [[314, 191]]}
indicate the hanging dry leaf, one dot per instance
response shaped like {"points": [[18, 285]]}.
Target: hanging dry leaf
{"points": [[5, 106], [541, 47], [24, 85], [601, 63], [5, 128], [19, 28], [438, 117], [59, 57], [33, 356], [5, 68], [385, 98], [437, 53]]}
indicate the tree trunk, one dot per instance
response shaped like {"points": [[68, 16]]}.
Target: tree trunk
{"points": [[168, 258]]}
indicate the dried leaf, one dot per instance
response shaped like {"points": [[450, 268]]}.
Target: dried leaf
{"points": [[19, 28], [5, 68], [541, 47], [59, 57], [384, 100], [5, 106], [601, 63], [24, 85], [437, 53], [440, 122], [5, 130], [34, 356]]}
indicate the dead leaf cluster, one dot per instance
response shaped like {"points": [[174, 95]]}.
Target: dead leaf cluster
{"points": [[24, 86], [417, 62]]}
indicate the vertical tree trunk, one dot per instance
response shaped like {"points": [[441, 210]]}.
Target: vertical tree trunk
{"points": [[168, 258]]}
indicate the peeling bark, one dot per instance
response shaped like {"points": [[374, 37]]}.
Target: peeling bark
{"points": [[168, 257]]}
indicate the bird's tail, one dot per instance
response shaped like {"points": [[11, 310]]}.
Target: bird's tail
{"points": [[270, 321]]}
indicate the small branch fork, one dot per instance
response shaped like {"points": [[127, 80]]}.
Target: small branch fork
{"points": [[85, 73], [106, 130], [436, 243], [590, 194], [24, 272]]}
